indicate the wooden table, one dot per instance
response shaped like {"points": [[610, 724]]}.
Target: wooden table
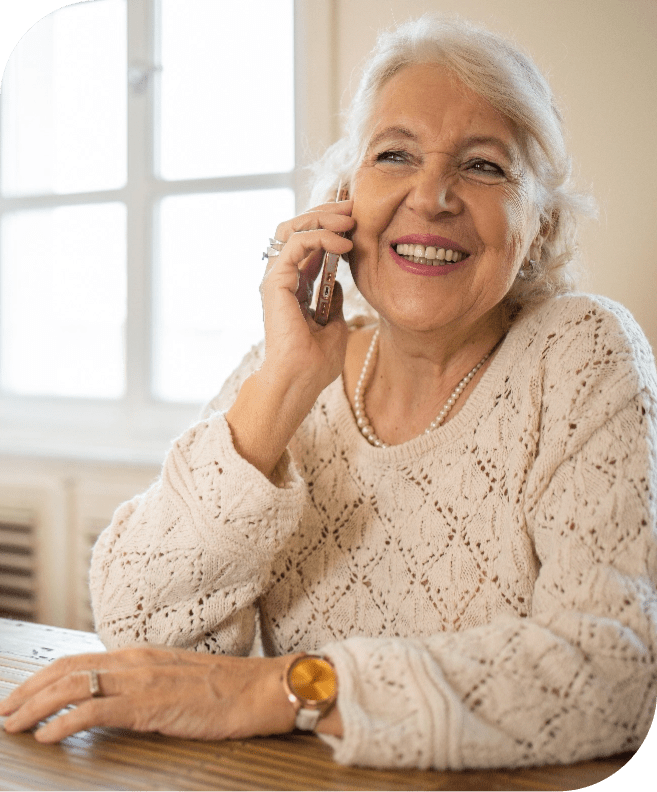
{"points": [[119, 759]]}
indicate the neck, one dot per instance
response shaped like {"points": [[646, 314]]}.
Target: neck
{"points": [[414, 375], [421, 362]]}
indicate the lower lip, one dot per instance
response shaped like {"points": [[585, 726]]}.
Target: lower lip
{"points": [[427, 270]]}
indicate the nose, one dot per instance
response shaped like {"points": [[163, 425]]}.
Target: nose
{"points": [[434, 192]]}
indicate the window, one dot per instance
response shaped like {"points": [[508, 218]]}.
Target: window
{"points": [[148, 148]]}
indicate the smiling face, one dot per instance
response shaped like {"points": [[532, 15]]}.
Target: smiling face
{"points": [[442, 171]]}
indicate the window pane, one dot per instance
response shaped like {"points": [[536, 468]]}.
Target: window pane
{"points": [[63, 298], [227, 96], [207, 304], [64, 103]]}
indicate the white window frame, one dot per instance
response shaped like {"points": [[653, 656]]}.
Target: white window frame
{"points": [[138, 428]]}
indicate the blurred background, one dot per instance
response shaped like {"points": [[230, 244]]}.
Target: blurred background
{"points": [[148, 148]]}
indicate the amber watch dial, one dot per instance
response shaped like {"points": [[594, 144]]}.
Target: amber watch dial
{"points": [[312, 679]]}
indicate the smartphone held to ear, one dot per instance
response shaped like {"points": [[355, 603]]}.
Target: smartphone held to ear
{"points": [[328, 274]]}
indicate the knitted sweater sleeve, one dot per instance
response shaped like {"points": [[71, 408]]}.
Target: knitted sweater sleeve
{"points": [[184, 563], [576, 679]]}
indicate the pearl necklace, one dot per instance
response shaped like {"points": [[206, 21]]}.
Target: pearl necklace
{"points": [[359, 407]]}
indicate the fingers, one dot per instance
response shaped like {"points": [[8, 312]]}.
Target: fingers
{"points": [[76, 669], [95, 712], [301, 244], [70, 699], [302, 254], [335, 217], [49, 675], [304, 240], [46, 701]]}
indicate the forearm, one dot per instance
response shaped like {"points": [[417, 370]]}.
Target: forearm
{"points": [[188, 559], [500, 695], [265, 415], [575, 678]]}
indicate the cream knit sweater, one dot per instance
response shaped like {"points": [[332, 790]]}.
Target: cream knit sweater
{"points": [[486, 592]]}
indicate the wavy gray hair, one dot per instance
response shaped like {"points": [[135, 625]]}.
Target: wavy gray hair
{"points": [[510, 81]]}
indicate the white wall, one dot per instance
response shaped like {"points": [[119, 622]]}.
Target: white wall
{"points": [[601, 59]]}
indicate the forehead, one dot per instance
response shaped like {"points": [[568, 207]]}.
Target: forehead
{"points": [[438, 108]]}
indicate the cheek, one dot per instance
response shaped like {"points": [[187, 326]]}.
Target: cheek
{"points": [[374, 208], [516, 221], [523, 217]]}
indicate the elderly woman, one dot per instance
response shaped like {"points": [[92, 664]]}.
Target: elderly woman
{"points": [[452, 502]]}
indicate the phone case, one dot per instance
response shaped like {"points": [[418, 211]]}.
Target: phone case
{"points": [[327, 281]]}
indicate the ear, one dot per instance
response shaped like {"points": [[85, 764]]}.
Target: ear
{"points": [[547, 226]]}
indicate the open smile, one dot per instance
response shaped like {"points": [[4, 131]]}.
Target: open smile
{"points": [[437, 257], [425, 254]]}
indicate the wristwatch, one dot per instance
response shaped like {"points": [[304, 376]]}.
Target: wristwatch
{"points": [[311, 685]]}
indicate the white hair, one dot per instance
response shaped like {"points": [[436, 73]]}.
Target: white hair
{"points": [[509, 80]]}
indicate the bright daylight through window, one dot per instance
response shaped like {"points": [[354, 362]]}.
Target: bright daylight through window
{"points": [[144, 161]]}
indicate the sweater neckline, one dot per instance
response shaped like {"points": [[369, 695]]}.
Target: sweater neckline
{"points": [[468, 415]]}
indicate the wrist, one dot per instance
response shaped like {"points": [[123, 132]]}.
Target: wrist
{"points": [[290, 384], [311, 685]]}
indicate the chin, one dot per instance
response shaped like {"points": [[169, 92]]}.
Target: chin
{"points": [[412, 315]]}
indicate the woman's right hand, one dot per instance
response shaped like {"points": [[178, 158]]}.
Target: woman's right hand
{"points": [[296, 346], [301, 356]]}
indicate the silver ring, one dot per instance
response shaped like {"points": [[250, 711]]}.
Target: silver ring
{"points": [[271, 252], [94, 684], [275, 247]]}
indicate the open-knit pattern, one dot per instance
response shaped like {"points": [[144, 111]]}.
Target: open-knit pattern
{"points": [[486, 592]]}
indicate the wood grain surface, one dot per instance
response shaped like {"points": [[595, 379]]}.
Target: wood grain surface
{"points": [[117, 759]]}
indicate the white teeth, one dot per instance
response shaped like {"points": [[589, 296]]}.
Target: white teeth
{"points": [[429, 255]]}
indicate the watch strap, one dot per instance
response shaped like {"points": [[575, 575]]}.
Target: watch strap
{"points": [[307, 719]]}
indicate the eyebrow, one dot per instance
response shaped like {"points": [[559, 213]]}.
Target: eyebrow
{"points": [[473, 140], [393, 131]]}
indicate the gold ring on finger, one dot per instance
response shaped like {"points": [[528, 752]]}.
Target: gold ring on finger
{"points": [[94, 684]]}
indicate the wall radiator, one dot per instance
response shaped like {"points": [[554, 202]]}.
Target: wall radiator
{"points": [[18, 579], [51, 514]]}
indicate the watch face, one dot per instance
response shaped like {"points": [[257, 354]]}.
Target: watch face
{"points": [[312, 679]]}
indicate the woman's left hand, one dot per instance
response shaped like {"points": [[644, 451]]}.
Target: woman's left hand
{"points": [[171, 691]]}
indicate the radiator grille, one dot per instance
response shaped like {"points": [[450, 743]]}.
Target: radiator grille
{"points": [[18, 564], [50, 516]]}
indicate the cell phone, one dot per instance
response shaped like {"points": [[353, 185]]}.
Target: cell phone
{"points": [[329, 270]]}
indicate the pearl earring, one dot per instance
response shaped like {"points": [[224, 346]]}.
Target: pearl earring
{"points": [[527, 270]]}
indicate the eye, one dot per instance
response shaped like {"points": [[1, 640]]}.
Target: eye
{"points": [[392, 156], [485, 168]]}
